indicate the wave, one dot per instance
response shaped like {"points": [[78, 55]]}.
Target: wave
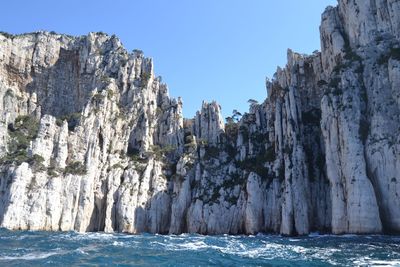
{"points": [[30, 256], [183, 250], [381, 263]]}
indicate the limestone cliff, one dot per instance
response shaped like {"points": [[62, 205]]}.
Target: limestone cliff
{"points": [[91, 141]]}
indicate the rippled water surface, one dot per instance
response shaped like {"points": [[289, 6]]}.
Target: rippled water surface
{"points": [[41, 249]]}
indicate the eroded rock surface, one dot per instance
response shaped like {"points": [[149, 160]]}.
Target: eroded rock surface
{"points": [[91, 141]]}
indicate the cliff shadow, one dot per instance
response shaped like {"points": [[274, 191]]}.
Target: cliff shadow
{"points": [[63, 88], [155, 216]]}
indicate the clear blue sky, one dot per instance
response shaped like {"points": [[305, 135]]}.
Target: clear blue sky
{"points": [[204, 49]]}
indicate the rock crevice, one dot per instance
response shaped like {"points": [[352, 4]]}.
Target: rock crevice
{"points": [[91, 140]]}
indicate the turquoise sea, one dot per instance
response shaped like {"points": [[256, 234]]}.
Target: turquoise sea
{"points": [[98, 249]]}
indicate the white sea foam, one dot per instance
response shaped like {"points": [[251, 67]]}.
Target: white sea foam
{"points": [[252, 253], [248, 249], [88, 236], [99, 235], [381, 263], [196, 245], [385, 263], [267, 251], [162, 244], [81, 251], [118, 244], [30, 256]]}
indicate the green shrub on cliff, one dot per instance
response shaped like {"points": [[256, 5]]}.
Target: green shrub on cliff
{"points": [[75, 167], [73, 120], [24, 129]]}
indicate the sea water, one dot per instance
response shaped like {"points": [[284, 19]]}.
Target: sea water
{"points": [[22, 248]]}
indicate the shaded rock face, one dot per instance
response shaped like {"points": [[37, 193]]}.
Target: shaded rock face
{"points": [[91, 141], [360, 115]]}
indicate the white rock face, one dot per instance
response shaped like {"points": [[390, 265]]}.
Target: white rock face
{"points": [[99, 109], [91, 141], [360, 118], [208, 123]]}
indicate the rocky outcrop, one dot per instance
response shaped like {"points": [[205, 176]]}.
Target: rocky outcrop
{"points": [[91, 141], [93, 122], [360, 117]]}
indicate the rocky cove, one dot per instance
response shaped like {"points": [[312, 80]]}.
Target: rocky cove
{"points": [[90, 139]]}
